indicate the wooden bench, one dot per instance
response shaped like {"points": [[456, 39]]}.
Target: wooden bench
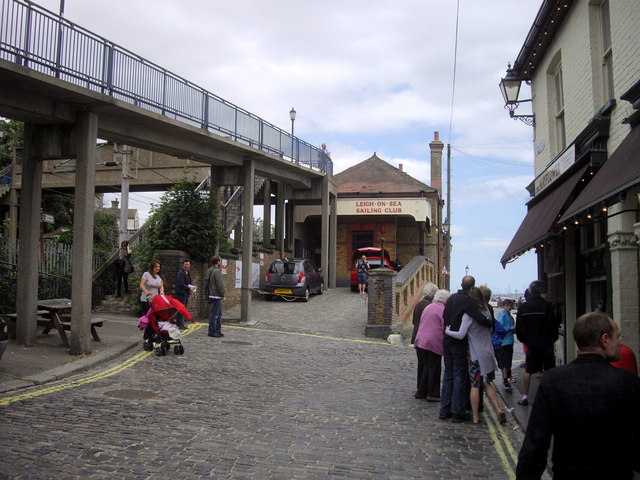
{"points": [[65, 320], [44, 320]]}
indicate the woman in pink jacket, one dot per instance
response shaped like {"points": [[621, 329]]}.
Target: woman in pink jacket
{"points": [[428, 345]]}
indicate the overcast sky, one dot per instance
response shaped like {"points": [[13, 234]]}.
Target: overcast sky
{"points": [[364, 77]]}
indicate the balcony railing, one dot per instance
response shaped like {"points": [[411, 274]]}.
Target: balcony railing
{"points": [[35, 37]]}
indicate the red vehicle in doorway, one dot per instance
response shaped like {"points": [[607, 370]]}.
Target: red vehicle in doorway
{"points": [[375, 261]]}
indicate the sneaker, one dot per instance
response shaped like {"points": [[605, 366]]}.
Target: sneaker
{"points": [[513, 379], [507, 386], [524, 402]]}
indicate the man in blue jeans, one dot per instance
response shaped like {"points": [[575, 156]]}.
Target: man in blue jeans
{"points": [[454, 394], [215, 291]]}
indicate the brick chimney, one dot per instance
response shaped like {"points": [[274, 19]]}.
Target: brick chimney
{"points": [[436, 147], [400, 167]]}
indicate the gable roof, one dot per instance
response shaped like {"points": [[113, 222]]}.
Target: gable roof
{"points": [[374, 175]]}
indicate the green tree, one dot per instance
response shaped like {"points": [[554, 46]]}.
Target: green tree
{"points": [[11, 135], [186, 220]]}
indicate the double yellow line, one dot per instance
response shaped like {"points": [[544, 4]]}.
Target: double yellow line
{"points": [[83, 381], [503, 445]]}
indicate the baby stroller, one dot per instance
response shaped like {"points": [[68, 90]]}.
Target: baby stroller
{"points": [[160, 330]]}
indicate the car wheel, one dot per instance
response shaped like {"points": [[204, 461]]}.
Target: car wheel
{"points": [[268, 297], [306, 295], [321, 289]]}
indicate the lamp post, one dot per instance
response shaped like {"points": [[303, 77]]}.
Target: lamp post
{"points": [[510, 88], [292, 115], [466, 270]]}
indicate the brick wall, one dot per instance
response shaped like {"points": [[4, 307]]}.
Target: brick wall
{"points": [[171, 261]]}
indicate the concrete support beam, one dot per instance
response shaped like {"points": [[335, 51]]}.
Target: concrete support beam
{"points": [[27, 283], [85, 136], [324, 228], [266, 215], [333, 242], [247, 240], [280, 219]]}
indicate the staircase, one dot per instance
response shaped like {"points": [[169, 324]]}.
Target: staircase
{"points": [[232, 210], [111, 304], [6, 175]]}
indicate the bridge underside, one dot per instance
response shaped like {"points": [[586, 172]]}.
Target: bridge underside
{"points": [[64, 121]]}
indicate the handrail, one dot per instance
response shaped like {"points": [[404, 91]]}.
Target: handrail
{"points": [[34, 37]]}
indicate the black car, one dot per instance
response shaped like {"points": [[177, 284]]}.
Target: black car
{"points": [[293, 277]]}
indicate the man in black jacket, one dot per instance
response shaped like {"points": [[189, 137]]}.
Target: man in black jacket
{"points": [[590, 408], [537, 328], [454, 394]]}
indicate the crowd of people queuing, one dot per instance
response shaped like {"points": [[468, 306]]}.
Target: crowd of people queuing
{"points": [[589, 408]]}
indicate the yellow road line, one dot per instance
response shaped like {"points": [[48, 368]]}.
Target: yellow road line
{"points": [[83, 381], [500, 449], [380, 342]]}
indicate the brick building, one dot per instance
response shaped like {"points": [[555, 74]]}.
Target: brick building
{"points": [[581, 59], [379, 202]]}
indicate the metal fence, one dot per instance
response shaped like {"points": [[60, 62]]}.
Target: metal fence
{"points": [[35, 37]]}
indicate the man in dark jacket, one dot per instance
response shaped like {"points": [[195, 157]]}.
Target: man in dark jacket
{"points": [[454, 394], [537, 328], [590, 408], [183, 289]]}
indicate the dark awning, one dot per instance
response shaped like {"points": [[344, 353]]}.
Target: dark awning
{"points": [[618, 174], [540, 217]]}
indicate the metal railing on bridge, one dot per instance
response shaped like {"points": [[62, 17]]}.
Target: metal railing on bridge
{"points": [[35, 37]]}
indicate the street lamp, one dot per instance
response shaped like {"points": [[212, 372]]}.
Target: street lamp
{"points": [[510, 88], [292, 115], [466, 270]]}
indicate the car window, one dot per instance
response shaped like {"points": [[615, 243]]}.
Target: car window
{"points": [[284, 267]]}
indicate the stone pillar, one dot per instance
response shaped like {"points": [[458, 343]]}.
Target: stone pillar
{"points": [[623, 251], [85, 135], [247, 240], [31, 196], [382, 302]]}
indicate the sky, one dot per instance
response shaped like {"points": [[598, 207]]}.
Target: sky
{"points": [[364, 77]]}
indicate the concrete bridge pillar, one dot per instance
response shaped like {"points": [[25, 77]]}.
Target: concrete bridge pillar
{"points": [[85, 135], [280, 219], [266, 216], [333, 237], [247, 240], [324, 228], [27, 285]]}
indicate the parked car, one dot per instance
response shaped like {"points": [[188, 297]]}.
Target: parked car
{"points": [[293, 276], [374, 260]]}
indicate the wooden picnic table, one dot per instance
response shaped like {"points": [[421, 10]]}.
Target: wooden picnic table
{"points": [[56, 308], [56, 313]]}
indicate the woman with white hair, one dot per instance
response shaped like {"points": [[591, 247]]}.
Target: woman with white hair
{"points": [[428, 292], [428, 344]]}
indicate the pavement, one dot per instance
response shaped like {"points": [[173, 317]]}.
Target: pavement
{"points": [[48, 360]]}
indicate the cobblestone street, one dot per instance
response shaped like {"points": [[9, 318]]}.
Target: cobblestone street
{"points": [[302, 394]]}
